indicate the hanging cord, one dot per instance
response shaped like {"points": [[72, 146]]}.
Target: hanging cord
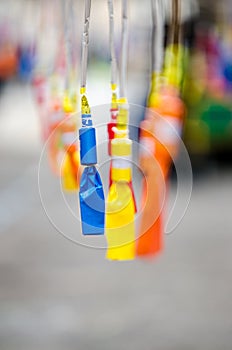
{"points": [[157, 48], [157, 35], [112, 53], [174, 52], [123, 115], [124, 47], [85, 46], [176, 32], [112, 46], [75, 47], [85, 109], [176, 40], [73, 74]]}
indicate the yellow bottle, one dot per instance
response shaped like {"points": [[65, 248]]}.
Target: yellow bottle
{"points": [[120, 208]]}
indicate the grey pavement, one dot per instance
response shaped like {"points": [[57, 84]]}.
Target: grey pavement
{"points": [[57, 295]]}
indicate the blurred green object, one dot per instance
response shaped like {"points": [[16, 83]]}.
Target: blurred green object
{"points": [[208, 127], [218, 119], [197, 137]]}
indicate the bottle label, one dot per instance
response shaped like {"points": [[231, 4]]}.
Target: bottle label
{"points": [[86, 120]]}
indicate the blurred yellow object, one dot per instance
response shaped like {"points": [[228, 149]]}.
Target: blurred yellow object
{"points": [[157, 82], [70, 171], [173, 64], [113, 87], [74, 101], [120, 208], [68, 104]]}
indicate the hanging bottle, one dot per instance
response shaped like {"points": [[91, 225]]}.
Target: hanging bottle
{"points": [[120, 221]]}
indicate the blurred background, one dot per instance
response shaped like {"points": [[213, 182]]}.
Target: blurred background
{"points": [[58, 295]]}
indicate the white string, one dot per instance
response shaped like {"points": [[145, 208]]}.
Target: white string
{"points": [[67, 13], [157, 35], [112, 45], [124, 48], [85, 43]]}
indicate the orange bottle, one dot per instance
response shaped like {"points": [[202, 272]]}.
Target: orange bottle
{"points": [[150, 240], [168, 126], [160, 134]]}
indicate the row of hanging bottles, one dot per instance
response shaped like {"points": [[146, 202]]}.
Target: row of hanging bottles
{"points": [[114, 213]]}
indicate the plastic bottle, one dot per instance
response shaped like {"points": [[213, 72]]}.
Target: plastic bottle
{"points": [[120, 209]]}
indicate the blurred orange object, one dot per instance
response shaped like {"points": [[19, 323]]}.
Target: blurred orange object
{"points": [[150, 240], [160, 134], [168, 126], [8, 61]]}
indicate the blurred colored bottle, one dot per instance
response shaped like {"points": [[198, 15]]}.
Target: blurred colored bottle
{"points": [[55, 115], [150, 240], [71, 163], [160, 134], [26, 61]]}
